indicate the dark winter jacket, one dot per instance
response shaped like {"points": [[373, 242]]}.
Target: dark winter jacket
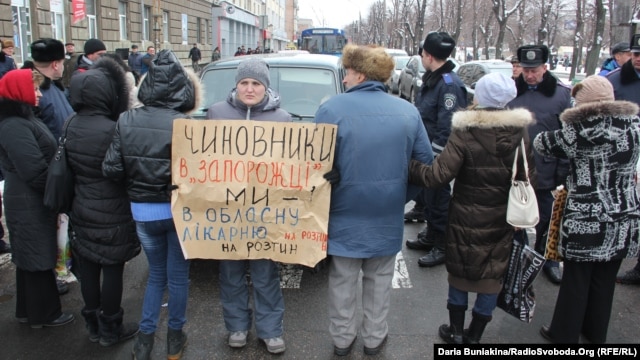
{"points": [[479, 156], [626, 83], [601, 219], [6, 63], [442, 93], [103, 229], [26, 147], [546, 102], [140, 152], [54, 108]]}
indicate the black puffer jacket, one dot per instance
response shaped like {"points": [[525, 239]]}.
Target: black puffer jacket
{"points": [[103, 230], [141, 147]]}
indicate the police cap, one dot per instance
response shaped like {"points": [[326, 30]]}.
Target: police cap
{"points": [[533, 55]]}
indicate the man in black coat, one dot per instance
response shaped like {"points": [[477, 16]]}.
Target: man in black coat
{"points": [[195, 55]]}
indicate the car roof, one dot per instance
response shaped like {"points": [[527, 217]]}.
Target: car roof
{"points": [[287, 59], [490, 63]]}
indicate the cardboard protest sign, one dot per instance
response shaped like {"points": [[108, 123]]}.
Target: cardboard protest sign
{"points": [[252, 189]]}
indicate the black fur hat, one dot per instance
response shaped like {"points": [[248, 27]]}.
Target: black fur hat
{"points": [[439, 44], [46, 50]]}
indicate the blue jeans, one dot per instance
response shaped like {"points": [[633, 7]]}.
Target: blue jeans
{"points": [[267, 296], [485, 303], [167, 266]]}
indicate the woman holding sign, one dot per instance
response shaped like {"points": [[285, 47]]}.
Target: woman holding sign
{"points": [[251, 99], [140, 154]]}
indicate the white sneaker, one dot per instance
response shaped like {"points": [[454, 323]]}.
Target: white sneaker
{"points": [[238, 339], [275, 345]]}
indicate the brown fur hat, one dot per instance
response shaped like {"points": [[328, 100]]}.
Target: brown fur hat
{"points": [[369, 60]]}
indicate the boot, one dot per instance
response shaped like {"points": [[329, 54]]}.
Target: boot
{"points": [[476, 328], [176, 342], [112, 331], [143, 346], [437, 254], [91, 323], [453, 333]]}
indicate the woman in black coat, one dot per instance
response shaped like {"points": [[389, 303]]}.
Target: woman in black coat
{"points": [[26, 147], [103, 233]]}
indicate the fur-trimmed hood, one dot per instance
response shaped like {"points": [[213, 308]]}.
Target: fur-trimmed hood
{"points": [[168, 84], [591, 111], [497, 131], [488, 118], [101, 90]]}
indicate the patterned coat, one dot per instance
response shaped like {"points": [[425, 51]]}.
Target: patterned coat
{"points": [[601, 219]]}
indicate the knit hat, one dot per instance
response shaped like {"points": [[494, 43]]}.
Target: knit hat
{"points": [[17, 85], [592, 89], [495, 90], [46, 50], [439, 44], [7, 44], [93, 45], [256, 69]]}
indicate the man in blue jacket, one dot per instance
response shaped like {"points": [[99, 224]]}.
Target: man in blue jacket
{"points": [[442, 93], [378, 135], [620, 54]]}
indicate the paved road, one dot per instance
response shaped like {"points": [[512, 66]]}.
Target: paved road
{"points": [[418, 308]]}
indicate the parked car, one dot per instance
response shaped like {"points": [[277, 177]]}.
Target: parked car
{"points": [[472, 71], [401, 62], [410, 79], [396, 52], [304, 81]]}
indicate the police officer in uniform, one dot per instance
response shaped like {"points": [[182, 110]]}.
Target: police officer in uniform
{"points": [[546, 97], [442, 94], [626, 86]]}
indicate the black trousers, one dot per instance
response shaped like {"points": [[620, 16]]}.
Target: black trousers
{"points": [[584, 301], [37, 296], [106, 295]]}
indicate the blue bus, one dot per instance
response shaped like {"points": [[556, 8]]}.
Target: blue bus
{"points": [[322, 41]]}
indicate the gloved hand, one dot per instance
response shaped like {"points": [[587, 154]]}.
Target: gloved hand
{"points": [[333, 176]]}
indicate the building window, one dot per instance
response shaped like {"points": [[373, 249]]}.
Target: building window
{"points": [[90, 9], [206, 31], [198, 31], [57, 25], [165, 25], [122, 19], [21, 31], [146, 29]]}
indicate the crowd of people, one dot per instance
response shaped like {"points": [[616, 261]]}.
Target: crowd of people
{"points": [[453, 158]]}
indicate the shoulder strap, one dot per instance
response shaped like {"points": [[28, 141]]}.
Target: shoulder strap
{"points": [[63, 137], [515, 162]]}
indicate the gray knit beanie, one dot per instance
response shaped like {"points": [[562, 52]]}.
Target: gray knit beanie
{"points": [[254, 68]]}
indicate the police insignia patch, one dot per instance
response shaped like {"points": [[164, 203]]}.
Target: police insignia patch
{"points": [[449, 101]]}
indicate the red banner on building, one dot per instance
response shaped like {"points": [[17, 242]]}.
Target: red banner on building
{"points": [[78, 10]]}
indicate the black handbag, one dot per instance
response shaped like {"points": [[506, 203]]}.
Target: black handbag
{"points": [[59, 190]]}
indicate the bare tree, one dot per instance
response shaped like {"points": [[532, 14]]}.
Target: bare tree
{"points": [[502, 15], [578, 38], [595, 45]]}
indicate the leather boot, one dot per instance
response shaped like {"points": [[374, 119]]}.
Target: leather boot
{"points": [[425, 241], [176, 342], [476, 328], [415, 214], [453, 333], [91, 323], [436, 255], [143, 346], [112, 331]]}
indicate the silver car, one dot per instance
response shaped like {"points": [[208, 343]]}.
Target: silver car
{"points": [[401, 62], [411, 78], [472, 71]]}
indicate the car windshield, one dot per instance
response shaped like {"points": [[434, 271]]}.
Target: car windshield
{"points": [[401, 62], [301, 90]]}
